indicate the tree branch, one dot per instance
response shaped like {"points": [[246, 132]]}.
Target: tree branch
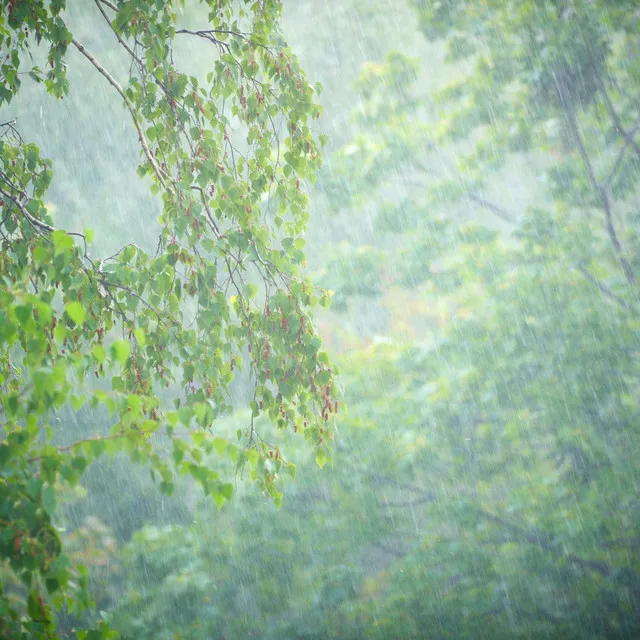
{"points": [[109, 4], [208, 34], [426, 499], [597, 187], [503, 214], [130, 107], [130, 51], [23, 208], [78, 443], [496, 209], [618, 162], [627, 135], [603, 289], [547, 543], [389, 550]]}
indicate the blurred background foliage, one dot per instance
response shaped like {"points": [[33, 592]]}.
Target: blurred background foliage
{"points": [[478, 219]]}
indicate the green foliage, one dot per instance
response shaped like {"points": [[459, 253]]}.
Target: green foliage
{"points": [[502, 451], [156, 339], [485, 474], [353, 271]]}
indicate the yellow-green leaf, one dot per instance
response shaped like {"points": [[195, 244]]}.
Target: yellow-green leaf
{"points": [[75, 312], [120, 351]]}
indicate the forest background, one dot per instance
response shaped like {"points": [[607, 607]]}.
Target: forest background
{"points": [[478, 220]]}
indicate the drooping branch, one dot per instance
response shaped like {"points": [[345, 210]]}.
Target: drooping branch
{"points": [[109, 4], [209, 35], [129, 50], [113, 82]]}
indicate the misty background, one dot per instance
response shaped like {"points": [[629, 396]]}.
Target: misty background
{"points": [[485, 482]]}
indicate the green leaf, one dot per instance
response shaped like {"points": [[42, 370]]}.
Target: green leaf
{"points": [[250, 291], [49, 499], [140, 336], [62, 241], [220, 445], [34, 609], [41, 254], [321, 458], [97, 447], [75, 312], [77, 402], [23, 313], [99, 353], [120, 351], [226, 489]]}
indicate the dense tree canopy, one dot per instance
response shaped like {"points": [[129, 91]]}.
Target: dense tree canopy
{"points": [[155, 337], [523, 409], [487, 467]]}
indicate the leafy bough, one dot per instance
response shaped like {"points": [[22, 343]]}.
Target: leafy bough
{"points": [[157, 338]]}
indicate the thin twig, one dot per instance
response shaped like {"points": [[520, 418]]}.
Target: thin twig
{"points": [[503, 214], [496, 209], [427, 499], [208, 34], [618, 162], [78, 443]]}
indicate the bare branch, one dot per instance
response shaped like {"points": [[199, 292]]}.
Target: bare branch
{"points": [[495, 208], [396, 553], [547, 543], [426, 499]]}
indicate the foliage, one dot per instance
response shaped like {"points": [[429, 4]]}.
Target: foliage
{"points": [[353, 271], [486, 472], [516, 427], [155, 338]]}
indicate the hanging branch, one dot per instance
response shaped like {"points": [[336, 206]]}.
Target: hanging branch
{"points": [[130, 107]]}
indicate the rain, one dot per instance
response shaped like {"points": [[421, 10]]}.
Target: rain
{"points": [[320, 319]]}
